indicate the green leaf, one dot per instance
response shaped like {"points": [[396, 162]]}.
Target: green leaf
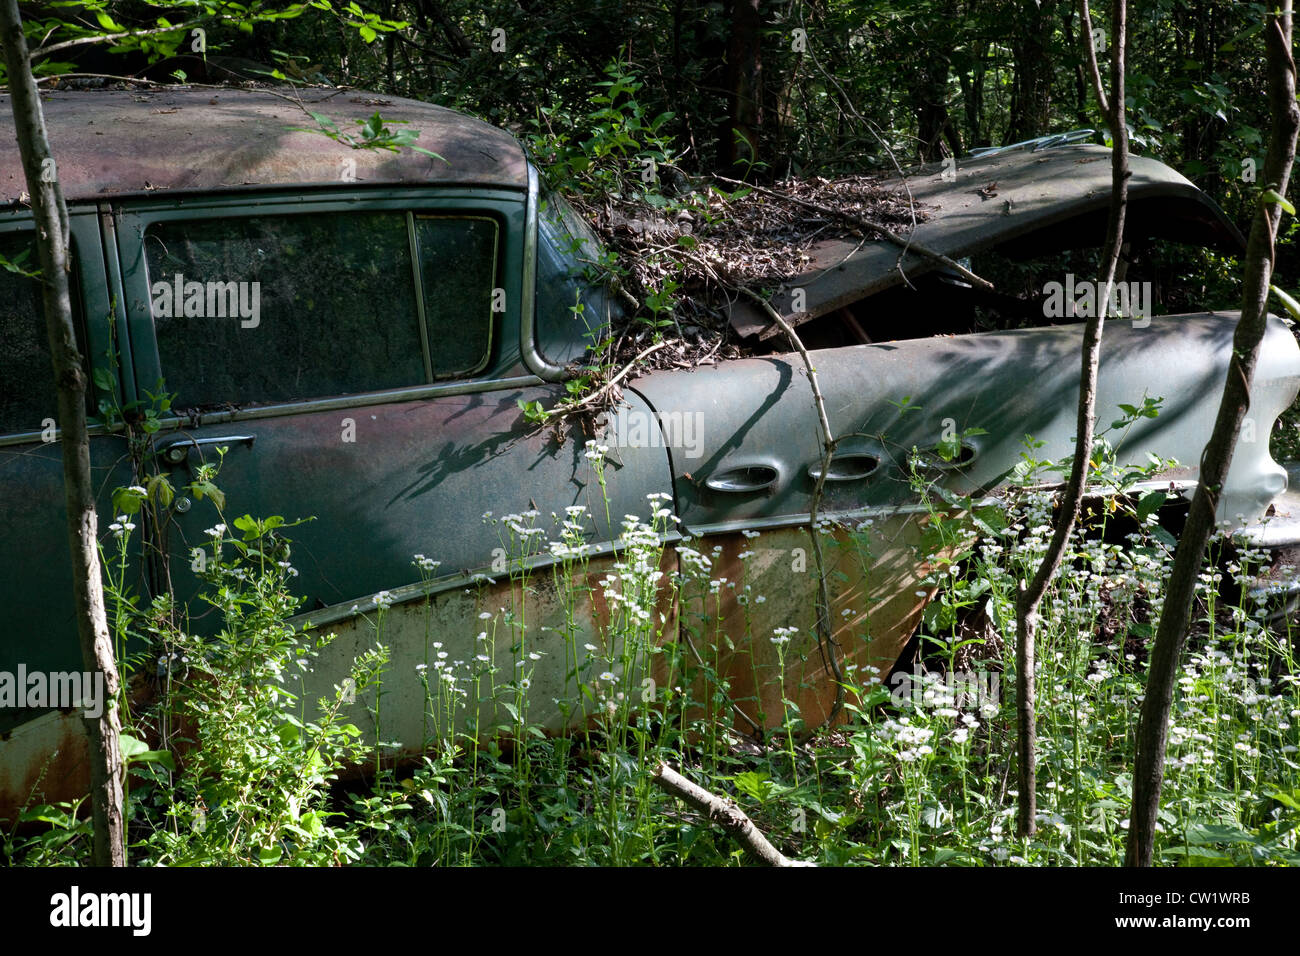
{"points": [[160, 490], [107, 22], [270, 855], [206, 489], [136, 751], [533, 411], [1164, 537], [288, 734], [1203, 834], [1272, 196], [1150, 503], [126, 501], [311, 822], [1288, 302], [1287, 799], [368, 34], [428, 152]]}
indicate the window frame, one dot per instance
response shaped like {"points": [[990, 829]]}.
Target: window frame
{"points": [[89, 297], [501, 367]]}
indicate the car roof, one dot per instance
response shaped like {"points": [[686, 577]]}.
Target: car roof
{"points": [[126, 142]]}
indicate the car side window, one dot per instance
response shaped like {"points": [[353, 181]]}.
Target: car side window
{"points": [[573, 304], [28, 397], [458, 267], [270, 309], [263, 310]]}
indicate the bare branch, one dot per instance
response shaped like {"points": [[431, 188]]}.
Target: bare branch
{"points": [[604, 389], [726, 814], [50, 218], [109, 37], [1090, 54], [825, 633]]}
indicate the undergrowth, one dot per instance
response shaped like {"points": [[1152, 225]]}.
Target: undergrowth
{"points": [[245, 770]]}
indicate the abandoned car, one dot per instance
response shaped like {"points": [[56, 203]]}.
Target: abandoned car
{"points": [[361, 331]]}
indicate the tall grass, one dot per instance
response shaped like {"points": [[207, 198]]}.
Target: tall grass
{"points": [[921, 772]]}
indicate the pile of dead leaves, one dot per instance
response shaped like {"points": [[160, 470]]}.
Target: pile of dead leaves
{"points": [[707, 243]]}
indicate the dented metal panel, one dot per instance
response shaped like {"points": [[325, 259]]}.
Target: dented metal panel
{"points": [[875, 574], [996, 199], [44, 760]]}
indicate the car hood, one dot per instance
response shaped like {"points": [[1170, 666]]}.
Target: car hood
{"points": [[1053, 198]]}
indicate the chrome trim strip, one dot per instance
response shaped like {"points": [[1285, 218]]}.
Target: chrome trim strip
{"points": [[26, 438], [885, 511], [451, 582], [795, 520], [420, 310], [533, 359], [354, 401]]}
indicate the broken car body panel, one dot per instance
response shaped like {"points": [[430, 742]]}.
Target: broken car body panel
{"points": [[1056, 198]]}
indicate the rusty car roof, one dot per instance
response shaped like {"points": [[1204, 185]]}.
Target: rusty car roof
{"points": [[112, 143], [995, 199]]}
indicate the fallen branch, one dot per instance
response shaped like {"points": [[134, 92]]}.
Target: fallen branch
{"points": [[863, 223], [726, 814], [596, 395]]}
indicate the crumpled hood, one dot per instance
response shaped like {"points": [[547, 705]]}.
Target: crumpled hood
{"points": [[992, 201]]}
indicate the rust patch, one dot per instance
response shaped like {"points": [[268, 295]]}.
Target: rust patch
{"points": [[46, 760], [876, 603]]}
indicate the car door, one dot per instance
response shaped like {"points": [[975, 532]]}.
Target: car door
{"points": [[42, 749], [364, 373]]}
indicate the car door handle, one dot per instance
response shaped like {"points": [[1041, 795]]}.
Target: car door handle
{"points": [[853, 467], [746, 478], [177, 450]]}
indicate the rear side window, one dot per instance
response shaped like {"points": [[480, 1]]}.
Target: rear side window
{"points": [[457, 276], [27, 395], [271, 309]]}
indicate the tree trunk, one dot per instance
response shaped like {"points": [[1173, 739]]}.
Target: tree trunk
{"points": [[1153, 726], [50, 215], [1031, 93], [929, 101], [738, 142], [1031, 595]]}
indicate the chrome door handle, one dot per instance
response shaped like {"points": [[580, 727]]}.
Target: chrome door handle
{"points": [[745, 478], [848, 467], [176, 450]]}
